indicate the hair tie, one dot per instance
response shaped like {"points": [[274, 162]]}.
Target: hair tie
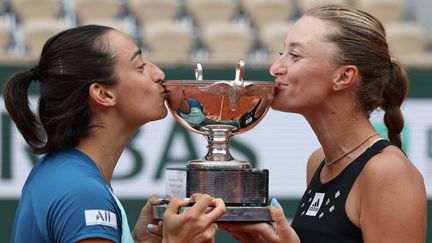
{"points": [[35, 72]]}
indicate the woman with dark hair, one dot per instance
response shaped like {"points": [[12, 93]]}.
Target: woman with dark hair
{"points": [[335, 70], [96, 90]]}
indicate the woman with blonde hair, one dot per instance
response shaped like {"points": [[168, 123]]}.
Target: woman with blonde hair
{"points": [[335, 70]]}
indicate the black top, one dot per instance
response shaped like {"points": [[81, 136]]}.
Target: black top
{"points": [[321, 215]]}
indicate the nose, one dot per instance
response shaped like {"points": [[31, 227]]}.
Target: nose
{"points": [[278, 68], [157, 74]]}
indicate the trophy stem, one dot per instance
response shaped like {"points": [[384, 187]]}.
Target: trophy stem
{"points": [[218, 155], [218, 139]]}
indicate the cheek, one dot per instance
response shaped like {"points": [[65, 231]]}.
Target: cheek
{"points": [[145, 90], [153, 102], [305, 87]]}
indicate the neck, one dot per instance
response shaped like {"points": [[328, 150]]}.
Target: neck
{"points": [[105, 149], [328, 163], [342, 139]]}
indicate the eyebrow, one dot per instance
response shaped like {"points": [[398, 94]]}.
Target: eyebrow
{"points": [[293, 44], [137, 53]]}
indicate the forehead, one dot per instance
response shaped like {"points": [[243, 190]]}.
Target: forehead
{"points": [[309, 31], [121, 45]]}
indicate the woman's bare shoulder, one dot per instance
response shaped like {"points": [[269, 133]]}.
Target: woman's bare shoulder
{"points": [[314, 161], [392, 199], [388, 164]]}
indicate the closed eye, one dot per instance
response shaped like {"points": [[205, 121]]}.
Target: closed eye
{"points": [[141, 66], [294, 56]]}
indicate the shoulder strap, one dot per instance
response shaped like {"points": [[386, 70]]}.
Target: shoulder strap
{"points": [[375, 149], [357, 165], [353, 170], [316, 176]]}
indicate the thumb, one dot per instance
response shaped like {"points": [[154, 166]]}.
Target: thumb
{"points": [[284, 230], [174, 206], [278, 215], [152, 201]]}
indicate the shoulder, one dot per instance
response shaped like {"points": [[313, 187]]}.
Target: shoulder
{"points": [[389, 165], [68, 182], [392, 198], [313, 163], [65, 173], [85, 209], [71, 199]]}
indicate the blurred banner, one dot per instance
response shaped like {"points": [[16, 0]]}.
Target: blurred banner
{"points": [[281, 143]]}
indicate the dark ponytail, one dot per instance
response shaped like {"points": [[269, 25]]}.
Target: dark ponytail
{"points": [[15, 93], [70, 62], [393, 95]]}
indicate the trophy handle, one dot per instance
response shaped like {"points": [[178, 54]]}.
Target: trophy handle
{"points": [[198, 72], [239, 71]]}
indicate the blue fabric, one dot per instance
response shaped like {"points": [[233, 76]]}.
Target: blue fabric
{"points": [[65, 199], [195, 115], [126, 236], [195, 103]]}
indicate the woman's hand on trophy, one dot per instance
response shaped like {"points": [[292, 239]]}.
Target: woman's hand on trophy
{"points": [[148, 229], [278, 231], [196, 223]]}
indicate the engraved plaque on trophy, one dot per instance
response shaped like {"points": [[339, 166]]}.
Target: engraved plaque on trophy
{"points": [[218, 110]]}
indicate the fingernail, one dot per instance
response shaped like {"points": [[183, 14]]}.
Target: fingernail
{"points": [[275, 203], [150, 227]]}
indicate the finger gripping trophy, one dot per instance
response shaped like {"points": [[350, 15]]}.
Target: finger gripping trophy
{"points": [[218, 110]]}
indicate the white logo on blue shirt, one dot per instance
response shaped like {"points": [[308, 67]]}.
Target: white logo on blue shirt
{"points": [[100, 217]]}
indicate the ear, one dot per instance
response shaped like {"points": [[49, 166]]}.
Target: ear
{"points": [[345, 77], [101, 95]]}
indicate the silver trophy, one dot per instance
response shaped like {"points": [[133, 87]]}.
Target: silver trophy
{"points": [[218, 110]]}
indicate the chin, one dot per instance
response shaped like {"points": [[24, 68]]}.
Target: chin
{"points": [[161, 115], [275, 106], [165, 113], [157, 116], [281, 108]]}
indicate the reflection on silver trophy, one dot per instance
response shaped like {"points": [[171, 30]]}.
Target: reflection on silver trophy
{"points": [[220, 109]]}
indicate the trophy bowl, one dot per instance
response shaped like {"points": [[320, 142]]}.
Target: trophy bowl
{"points": [[218, 110]]}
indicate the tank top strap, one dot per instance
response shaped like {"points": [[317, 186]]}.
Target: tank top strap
{"points": [[352, 171], [315, 180], [356, 166]]}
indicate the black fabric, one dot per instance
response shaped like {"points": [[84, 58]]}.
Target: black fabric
{"points": [[321, 215]]}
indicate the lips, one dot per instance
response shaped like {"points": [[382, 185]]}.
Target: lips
{"points": [[163, 92], [279, 87], [164, 95], [281, 84]]}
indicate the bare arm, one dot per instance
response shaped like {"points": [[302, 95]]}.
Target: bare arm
{"points": [[393, 200]]}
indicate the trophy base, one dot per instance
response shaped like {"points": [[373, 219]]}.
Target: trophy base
{"points": [[237, 187], [244, 191], [233, 213]]}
